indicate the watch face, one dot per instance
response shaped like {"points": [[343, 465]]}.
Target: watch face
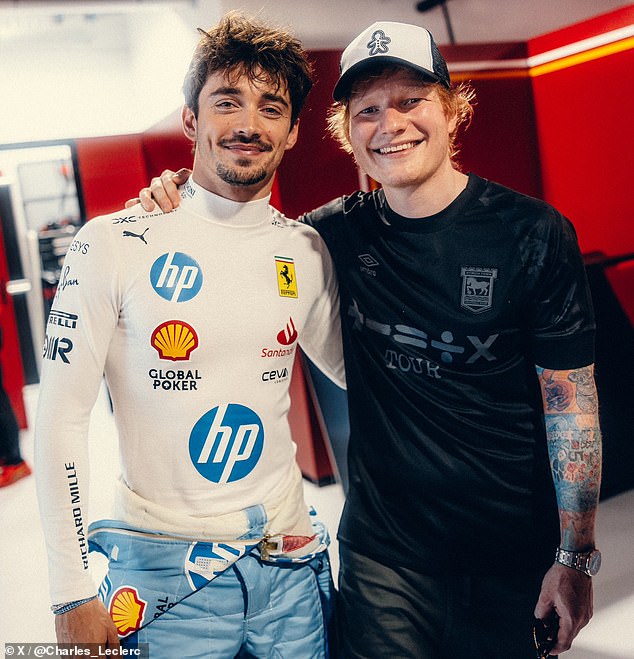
{"points": [[594, 562]]}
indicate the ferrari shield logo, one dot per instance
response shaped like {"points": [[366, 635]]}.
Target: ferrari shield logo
{"points": [[286, 277], [477, 288]]}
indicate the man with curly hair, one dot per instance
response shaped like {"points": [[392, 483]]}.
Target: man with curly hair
{"points": [[195, 318]]}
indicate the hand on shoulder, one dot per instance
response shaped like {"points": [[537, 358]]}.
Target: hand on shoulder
{"points": [[162, 191]]}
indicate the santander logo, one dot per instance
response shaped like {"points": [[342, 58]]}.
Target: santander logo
{"points": [[288, 335], [285, 337]]}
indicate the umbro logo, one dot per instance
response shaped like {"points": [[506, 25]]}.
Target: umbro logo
{"points": [[368, 260]]}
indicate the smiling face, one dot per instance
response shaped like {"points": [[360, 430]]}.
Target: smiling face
{"points": [[399, 131], [241, 132]]}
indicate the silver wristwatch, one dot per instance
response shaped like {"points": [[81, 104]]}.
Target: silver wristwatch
{"points": [[587, 562]]}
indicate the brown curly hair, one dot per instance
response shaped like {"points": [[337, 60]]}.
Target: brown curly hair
{"points": [[243, 47]]}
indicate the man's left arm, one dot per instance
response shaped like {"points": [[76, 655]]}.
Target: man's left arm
{"points": [[574, 449]]}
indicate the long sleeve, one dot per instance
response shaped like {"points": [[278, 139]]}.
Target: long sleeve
{"points": [[79, 330]]}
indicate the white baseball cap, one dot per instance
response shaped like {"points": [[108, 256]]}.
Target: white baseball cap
{"points": [[391, 43]]}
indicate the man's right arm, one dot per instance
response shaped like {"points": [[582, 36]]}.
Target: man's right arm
{"points": [[79, 330]]}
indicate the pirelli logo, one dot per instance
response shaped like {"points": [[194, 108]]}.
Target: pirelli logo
{"points": [[286, 277]]}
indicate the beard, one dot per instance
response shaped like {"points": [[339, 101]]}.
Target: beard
{"points": [[234, 176], [241, 175]]}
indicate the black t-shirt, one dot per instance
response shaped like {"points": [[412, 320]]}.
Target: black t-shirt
{"points": [[444, 319]]}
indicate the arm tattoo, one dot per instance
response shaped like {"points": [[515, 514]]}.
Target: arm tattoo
{"points": [[574, 449], [586, 390], [564, 389]]}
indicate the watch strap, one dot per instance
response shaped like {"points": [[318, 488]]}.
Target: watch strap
{"points": [[579, 560]]}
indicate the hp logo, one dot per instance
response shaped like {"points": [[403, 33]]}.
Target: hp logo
{"points": [[226, 443], [176, 276]]}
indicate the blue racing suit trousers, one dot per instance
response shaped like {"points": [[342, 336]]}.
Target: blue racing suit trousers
{"points": [[266, 609]]}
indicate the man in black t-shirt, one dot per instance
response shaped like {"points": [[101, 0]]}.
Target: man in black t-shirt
{"points": [[475, 449]]}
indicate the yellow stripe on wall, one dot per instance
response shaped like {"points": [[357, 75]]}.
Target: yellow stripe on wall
{"points": [[549, 67], [580, 58]]}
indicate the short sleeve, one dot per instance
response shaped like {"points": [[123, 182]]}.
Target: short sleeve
{"points": [[561, 316]]}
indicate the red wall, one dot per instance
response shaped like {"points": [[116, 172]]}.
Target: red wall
{"points": [[585, 134], [13, 380], [316, 170], [501, 143], [166, 147], [112, 170]]}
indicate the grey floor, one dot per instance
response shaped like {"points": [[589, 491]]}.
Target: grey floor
{"points": [[24, 614]]}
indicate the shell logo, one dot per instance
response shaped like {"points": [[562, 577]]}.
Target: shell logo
{"points": [[174, 340], [126, 610]]}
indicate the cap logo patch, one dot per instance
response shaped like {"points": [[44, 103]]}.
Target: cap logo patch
{"points": [[378, 44]]}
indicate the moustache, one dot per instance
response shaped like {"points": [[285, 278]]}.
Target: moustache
{"points": [[243, 139]]}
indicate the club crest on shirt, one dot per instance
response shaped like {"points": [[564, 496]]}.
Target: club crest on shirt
{"points": [[286, 277], [477, 288]]}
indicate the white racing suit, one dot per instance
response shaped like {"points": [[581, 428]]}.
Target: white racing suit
{"points": [[194, 317]]}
